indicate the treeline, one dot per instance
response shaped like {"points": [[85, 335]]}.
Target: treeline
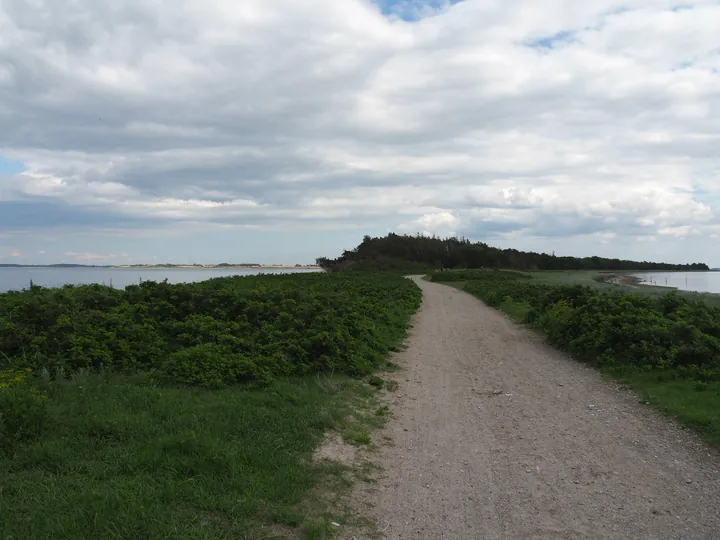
{"points": [[424, 252]]}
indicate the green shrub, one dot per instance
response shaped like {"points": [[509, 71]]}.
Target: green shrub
{"points": [[213, 333], [213, 366], [658, 333], [22, 416]]}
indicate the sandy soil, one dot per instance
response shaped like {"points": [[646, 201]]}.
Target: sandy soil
{"points": [[498, 436]]}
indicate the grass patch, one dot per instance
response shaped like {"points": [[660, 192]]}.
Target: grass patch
{"points": [[358, 438], [516, 310], [122, 458], [694, 404], [587, 278], [460, 285], [376, 381], [316, 530], [384, 410]]}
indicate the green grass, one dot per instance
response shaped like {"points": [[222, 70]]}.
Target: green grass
{"points": [[695, 405], [587, 278], [516, 310], [122, 458], [358, 438]]}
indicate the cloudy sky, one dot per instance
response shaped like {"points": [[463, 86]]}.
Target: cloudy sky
{"points": [[282, 130]]}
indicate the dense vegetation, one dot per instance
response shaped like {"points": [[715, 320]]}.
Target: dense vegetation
{"points": [[659, 332], [670, 339], [213, 333], [187, 411], [423, 252]]}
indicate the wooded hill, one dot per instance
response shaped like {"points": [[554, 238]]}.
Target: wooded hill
{"points": [[421, 253]]}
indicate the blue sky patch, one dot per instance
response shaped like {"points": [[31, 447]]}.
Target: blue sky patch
{"points": [[413, 10], [9, 166], [552, 42], [705, 196]]}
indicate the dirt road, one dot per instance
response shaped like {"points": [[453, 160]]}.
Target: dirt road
{"points": [[498, 436]]}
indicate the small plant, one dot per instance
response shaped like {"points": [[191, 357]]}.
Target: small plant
{"points": [[382, 411], [328, 385], [357, 438], [316, 530], [376, 381]]}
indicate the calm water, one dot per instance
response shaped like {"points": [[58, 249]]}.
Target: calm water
{"points": [[684, 281], [19, 278]]}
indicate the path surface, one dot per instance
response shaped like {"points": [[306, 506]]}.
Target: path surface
{"points": [[559, 454]]}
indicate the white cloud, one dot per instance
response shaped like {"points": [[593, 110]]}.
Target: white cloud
{"points": [[607, 237], [680, 232], [326, 114], [442, 223], [90, 257]]}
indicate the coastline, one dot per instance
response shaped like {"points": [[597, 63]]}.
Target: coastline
{"points": [[620, 279], [218, 267], [167, 266], [634, 282]]}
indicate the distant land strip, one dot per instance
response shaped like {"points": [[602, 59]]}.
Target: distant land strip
{"points": [[186, 266]]}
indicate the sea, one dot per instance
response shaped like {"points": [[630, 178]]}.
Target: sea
{"points": [[706, 282], [18, 278]]}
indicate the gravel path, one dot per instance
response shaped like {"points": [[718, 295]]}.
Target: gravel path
{"points": [[498, 436]]}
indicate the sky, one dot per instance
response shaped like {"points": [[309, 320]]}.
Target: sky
{"points": [[278, 131]]}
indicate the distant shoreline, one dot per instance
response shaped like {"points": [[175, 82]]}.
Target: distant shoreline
{"points": [[170, 266], [218, 267], [636, 282], [620, 279]]}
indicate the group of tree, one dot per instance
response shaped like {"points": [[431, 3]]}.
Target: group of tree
{"points": [[419, 252]]}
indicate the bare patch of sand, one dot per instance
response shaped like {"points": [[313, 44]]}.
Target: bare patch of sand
{"points": [[333, 448]]}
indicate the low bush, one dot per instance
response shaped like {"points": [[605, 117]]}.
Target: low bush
{"points": [[615, 328], [214, 333]]}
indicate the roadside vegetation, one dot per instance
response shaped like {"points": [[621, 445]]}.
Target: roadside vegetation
{"points": [[665, 346], [187, 411]]}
